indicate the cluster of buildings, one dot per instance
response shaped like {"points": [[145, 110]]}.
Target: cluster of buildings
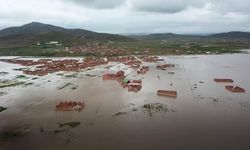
{"points": [[70, 106], [45, 66], [127, 60], [147, 58], [143, 70], [131, 85], [50, 43], [42, 67], [97, 49], [165, 66], [120, 75]]}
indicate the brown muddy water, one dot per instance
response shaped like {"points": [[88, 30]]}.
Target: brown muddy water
{"points": [[203, 116]]}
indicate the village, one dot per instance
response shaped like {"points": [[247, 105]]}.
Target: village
{"points": [[96, 48], [84, 93], [43, 67]]}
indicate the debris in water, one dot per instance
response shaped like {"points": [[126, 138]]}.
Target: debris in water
{"points": [[58, 131], [74, 88], [215, 99], [30, 83], [90, 75], [119, 113], [41, 130], [70, 124], [64, 86], [171, 73], [20, 69], [16, 131], [3, 73]]}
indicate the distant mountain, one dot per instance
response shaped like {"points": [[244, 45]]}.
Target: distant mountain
{"points": [[162, 36], [232, 35], [38, 32]]}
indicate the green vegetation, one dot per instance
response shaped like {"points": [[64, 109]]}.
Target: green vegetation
{"points": [[74, 75], [154, 108], [21, 77], [37, 42], [8, 83], [180, 47], [2, 108], [150, 47], [2, 93]]}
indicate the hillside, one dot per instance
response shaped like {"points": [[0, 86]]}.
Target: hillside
{"points": [[34, 32]]}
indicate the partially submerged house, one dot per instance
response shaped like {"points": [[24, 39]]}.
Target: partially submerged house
{"points": [[223, 80], [167, 93], [235, 89]]}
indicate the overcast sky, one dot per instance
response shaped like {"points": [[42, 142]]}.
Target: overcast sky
{"points": [[131, 16]]}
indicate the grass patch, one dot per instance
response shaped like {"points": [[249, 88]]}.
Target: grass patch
{"points": [[21, 77], [71, 76], [154, 108]]}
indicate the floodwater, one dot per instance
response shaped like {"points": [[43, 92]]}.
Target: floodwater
{"points": [[203, 116]]}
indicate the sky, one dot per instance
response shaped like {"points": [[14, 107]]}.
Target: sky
{"points": [[131, 16]]}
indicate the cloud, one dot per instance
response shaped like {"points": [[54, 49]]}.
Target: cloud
{"points": [[99, 4], [164, 6], [131, 16], [224, 6]]}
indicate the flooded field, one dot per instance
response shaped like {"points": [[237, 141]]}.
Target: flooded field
{"points": [[204, 115]]}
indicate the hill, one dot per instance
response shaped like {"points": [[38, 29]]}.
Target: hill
{"points": [[34, 32]]}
